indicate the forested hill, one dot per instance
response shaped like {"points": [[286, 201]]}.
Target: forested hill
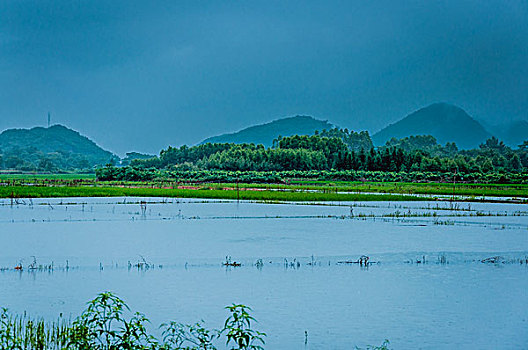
{"points": [[447, 123], [56, 147], [265, 133]]}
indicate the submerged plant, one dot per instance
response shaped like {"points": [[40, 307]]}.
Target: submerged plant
{"points": [[383, 346]]}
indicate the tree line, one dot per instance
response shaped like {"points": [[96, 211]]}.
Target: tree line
{"points": [[337, 150], [317, 152]]}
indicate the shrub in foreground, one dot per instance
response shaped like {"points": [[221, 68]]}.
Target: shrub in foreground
{"points": [[108, 324]]}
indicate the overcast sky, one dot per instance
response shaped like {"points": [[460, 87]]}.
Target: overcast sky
{"points": [[142, 75]]}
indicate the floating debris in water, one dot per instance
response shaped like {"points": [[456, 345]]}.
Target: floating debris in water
{"points": [[259, 264], [230, 263], [492, 260], [142, 264], [363, 260]]}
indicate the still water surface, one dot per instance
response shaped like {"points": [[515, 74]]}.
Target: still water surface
{"points": [[301, 286]]}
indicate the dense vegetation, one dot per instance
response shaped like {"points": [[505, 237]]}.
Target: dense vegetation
{"points": [[356, 141], [334, 156], [286, 177]]}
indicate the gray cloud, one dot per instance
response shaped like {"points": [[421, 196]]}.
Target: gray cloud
{"points": [[142, 75]]}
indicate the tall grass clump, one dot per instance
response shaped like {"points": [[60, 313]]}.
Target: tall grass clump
{"points": [[22, 332]]}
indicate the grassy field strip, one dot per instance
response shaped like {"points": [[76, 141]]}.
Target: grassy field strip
{"points": [[86, 191], [406, 188], [263, 195], [401, 188]]}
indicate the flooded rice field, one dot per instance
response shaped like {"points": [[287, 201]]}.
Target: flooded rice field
{"points": [[439, 274]]}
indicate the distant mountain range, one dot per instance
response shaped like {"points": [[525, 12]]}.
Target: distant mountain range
{"points": [[56, 139], [265, 133], [447, 123], [67, 149]]}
